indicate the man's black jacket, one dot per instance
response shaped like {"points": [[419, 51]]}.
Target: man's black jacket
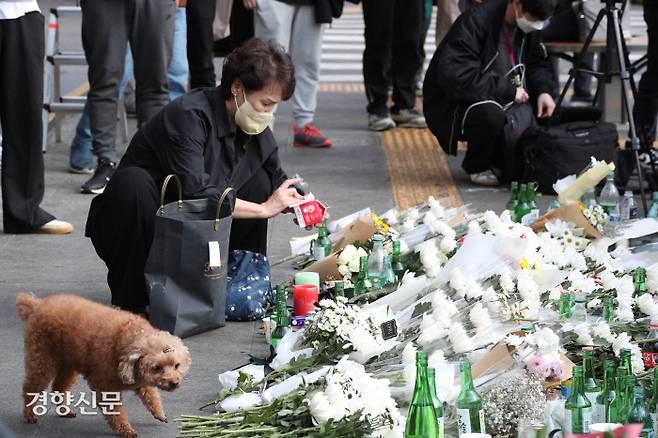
{"points": [[462, 70]]}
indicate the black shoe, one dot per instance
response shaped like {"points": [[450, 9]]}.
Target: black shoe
{"points": [[96, 184]]}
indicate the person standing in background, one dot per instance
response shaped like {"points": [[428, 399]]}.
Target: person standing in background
{"points": [[107, 27], [393, 31], [645, 109], [294, 24], [22, 50], [81, 155], [447, 14], [200, 16]]}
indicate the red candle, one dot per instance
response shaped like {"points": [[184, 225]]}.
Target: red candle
{"points": [[305, 296]]}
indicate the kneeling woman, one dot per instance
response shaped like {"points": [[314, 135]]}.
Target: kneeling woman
{"points": [[212, 138]]}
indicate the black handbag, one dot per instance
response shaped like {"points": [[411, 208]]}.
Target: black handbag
{"points": [[519, 117], [553, 152]]}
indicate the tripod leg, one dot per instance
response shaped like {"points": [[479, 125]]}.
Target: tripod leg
{"points": [[626, 91]]}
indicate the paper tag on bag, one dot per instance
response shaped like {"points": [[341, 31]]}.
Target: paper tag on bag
{"points": [[214, 259]]}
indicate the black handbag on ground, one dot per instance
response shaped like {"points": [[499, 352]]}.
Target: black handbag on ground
{"points": [[553, 152]]}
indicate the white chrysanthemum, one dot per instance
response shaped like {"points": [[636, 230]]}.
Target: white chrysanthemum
{"points": [[447, 245], [479, 317], [505, 280], [489, 295], [555, 293], [652, 278], [412, 214], [437, 357], [429, 218], [647, 305], [459, 339], [624, 314], [436, 207], [514, 340], [528, 289], [582, 330], [347, 255], [431, 334], [602, 330], [408, 225], [545, 340], [474, 227], [625, 286], [594, 304], [456, 279]]}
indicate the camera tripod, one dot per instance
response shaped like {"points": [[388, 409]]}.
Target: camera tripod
{"points": [[616, 52]]}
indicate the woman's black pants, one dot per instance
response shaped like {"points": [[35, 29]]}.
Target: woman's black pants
{"points": [[121, 221]]}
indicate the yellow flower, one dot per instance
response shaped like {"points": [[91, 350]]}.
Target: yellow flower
{"points": [[524, 263]]}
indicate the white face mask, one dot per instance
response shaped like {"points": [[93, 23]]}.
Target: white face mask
{"points": [[526, 25], [252, 122]]}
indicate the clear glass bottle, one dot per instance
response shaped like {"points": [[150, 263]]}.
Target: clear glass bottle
{"points": [[470, 415], [628, 207], [388, 276], [421, 419], [396, 261], [653, 210], [579, 310], [438, 405], [376, 261], [610, 200], [638, 412], [652, 405], [362, 284], [606, 398], [554, 204], [577, 409], [589, 198], [592, 387]]}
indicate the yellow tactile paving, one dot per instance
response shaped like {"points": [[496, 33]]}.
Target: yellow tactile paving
{"points": [[341, 88], [418, 167]]}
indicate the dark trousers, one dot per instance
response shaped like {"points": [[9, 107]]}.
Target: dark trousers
{"points": [[200, 16], [107, 27], [564, 27], [646, 106], [393, 31], [121, 224], [21, 97], [483, 129]]}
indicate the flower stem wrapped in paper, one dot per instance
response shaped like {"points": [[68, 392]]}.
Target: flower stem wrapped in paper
{"points": [[570, 212]]}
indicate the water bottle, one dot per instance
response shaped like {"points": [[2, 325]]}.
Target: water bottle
{"points": [[628, 207], [609, 199], [653, 211]]}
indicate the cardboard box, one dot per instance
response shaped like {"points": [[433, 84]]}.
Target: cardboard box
{"points": [[360, 230]]}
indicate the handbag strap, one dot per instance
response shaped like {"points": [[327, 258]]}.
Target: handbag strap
{"points": [[219, 206], [164, 191]]}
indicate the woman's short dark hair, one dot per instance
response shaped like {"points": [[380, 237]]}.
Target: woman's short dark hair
{"points": [[540, 9], [256, 64]]}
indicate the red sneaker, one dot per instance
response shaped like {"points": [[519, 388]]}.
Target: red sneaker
{"points": [[310, 137]]}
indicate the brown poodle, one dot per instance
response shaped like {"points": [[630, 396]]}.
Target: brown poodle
{"points": [[114, 350]]}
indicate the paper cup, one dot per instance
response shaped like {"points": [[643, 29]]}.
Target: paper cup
{"points": [[604, 427]]}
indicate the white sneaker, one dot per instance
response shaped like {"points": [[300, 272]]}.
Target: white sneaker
{"points": [[380, 122], [55, 227], [486, 178]]}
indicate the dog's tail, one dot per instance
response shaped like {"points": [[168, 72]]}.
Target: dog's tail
{"points": [[26, 304]]}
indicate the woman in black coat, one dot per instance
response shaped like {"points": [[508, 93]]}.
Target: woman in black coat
{"points": [[478, 69], [212, 138]]}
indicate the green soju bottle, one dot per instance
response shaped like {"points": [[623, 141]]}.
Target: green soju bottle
{"points": [[577, 409], [592, 387], [339, 287], [283, 320], [421, 420], [388, 276], [606, 399], [322, 245], [513, 199], [565, 306], [396, 261], [652, 404], [630, 397], [523, 208], [625, 360], [640, 280], [638, 412], [608, 309], [617, 414], [362, 284], [438, 406], [470, 416]]}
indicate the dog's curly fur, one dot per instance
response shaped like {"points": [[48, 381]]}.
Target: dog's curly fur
{"points": [[114, 350]]}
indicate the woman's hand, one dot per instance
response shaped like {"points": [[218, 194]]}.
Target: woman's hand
{"points": [[250, 4], [521, 95], [282, 198], [545, 105]]}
